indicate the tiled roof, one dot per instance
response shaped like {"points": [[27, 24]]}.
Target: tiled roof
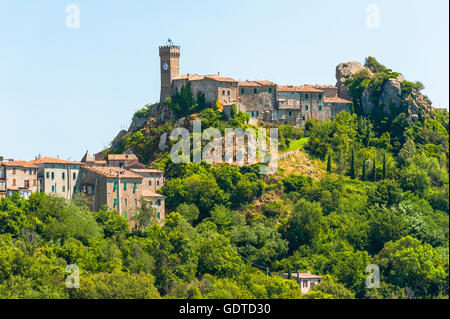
{"points": [[217, 77], [305, 275], [185, 76], [321, 86], [51, 160], [256, 83], [146, 170], [293, 88], [111, 172], [23, 164], [249, 83], [336, 99], [122, 157], [146, 193]]}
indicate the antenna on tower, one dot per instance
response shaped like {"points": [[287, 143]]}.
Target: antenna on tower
{"points": [[169, 42]]}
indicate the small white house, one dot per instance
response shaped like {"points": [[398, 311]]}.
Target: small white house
{"points": [[306, 280]]}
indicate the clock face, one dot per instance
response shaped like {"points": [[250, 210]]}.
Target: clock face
{"points": [[165, 66]]}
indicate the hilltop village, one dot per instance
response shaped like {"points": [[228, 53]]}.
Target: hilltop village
{"points": [[122, 183], [262, 100]]}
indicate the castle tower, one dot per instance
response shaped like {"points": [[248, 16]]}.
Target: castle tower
{"points": [[170, 68]]}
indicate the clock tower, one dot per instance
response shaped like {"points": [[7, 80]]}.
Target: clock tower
{"points": [[170, 68]]}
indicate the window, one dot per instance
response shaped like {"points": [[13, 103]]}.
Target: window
{"points": [[149, 183], [53, 175], [320, 96], [26, 184], [158, 202], [223, 92], [125, 214], [34, 182], [135, 186], [135, 202], [290, 113], [125, 186], [115, 202], [63, 175], [306, 107], [255, 90], [158, 215], [305, 283], [31, 172], [157, 183], [115, 186], [125, 201], [14, 182], [320, 107], [64, 189], [74, 176], [47, 175], [306, 96], [135, 214], [74, 189], [53, 188], [270, 90], [14, 171], [242, 91], [229, 92]]}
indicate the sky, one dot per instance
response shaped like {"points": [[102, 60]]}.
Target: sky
{"points": [[66, 88]]}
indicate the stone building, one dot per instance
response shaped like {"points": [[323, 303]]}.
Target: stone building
{"points": [[18, 177], [58, 177], [123, 190], [262, 100], [307, 281], [152, 180], [214, 87]]}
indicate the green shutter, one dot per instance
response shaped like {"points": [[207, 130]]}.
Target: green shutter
{"points": [[125, 214], [74, 176], [159, 215], [115, 186], [64, 189], [48, 175], [125, 186], [63, 175]]}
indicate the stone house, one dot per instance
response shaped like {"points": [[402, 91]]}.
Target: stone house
{"points": [[18, 177], [152, 180], [258, 97], [57, 176], [121, 160], [307, 281]]}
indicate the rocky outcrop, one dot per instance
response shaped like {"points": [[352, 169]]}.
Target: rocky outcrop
{"points": [[116, 141], [391, 96]]}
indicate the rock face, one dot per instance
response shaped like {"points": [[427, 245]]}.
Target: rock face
{"points": [[118, 138], [391, 94], [346, 70]]}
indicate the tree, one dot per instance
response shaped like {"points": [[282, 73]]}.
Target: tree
{"points": [[384, 165], [363, 174], [189, 211], [352, 165], [304, 226], [117, 285], [329, 163], [374, 171], [145, 216]]}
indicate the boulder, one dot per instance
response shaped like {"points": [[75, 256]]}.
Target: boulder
{"points": [[346, 70]]}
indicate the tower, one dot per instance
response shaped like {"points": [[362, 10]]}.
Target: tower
{"points": [[170, 68]]}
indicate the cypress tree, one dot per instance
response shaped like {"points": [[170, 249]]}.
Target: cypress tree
{"points": [[374, 171], [329, 163], [352, 165], [363, 176], [384, 165]]}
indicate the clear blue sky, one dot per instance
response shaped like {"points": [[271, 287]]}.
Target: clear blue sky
{"points": [[64, 91]]}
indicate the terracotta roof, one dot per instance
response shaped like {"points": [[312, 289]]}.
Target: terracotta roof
{"points": [[265, 83], [321, 86], [336, 99], [249, 83], [217, 77], [111, 172], [146, 193], [122, 157], [23, 164], [146, 170], [52, 160], [293, 88], [185, 76], [305, 275]]}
